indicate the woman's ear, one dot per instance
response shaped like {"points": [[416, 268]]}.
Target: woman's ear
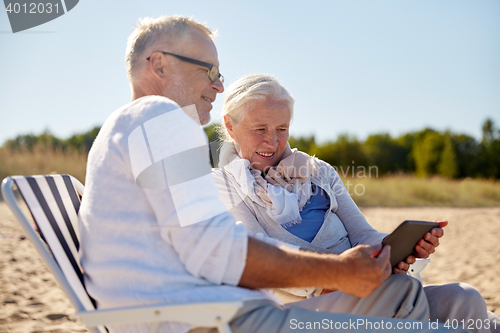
{"points": [[229, 126]]}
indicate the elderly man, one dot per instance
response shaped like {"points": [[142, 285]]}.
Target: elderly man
{"points": [[153, 229]]}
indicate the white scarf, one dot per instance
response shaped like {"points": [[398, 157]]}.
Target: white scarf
{"points": [[283, 192]]}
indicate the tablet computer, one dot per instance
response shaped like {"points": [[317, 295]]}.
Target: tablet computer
{"points": [[404, 238]]}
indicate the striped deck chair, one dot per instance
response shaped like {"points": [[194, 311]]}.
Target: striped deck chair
{"points": [[54, 202]]}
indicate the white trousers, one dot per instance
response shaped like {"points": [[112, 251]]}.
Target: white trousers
{"points": [[400, 297], [400, 300]]}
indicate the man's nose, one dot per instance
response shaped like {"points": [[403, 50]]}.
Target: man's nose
{"points": [[218, 86]]}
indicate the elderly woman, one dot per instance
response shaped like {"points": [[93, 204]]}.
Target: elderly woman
{"points": [[290, 196]]}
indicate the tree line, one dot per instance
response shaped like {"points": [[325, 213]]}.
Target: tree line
{"points": [[80, 142], [424, 153]]}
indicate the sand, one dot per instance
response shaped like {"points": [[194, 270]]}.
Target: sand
{"points": [[30, 297], [469, 252]]}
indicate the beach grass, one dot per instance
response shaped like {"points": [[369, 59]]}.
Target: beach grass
{"points": [[410, 191], [388, 191], [42, 159]]}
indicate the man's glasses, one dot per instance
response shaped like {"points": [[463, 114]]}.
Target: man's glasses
{"points": [[213, 70]]}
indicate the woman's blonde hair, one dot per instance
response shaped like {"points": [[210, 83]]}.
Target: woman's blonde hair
{"points": [[245, 90]]}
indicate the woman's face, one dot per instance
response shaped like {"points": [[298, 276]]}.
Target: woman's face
{"points": [[262, 134]]}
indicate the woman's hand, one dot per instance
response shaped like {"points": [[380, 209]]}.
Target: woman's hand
{"points": [[404, 266], [425, 247]]}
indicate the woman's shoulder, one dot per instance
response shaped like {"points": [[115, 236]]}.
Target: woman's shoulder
{"points": [[323, 169], [219, 174]]}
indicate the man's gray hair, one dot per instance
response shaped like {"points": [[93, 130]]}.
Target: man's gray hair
{"points": [[241, 93], [163, 30]]}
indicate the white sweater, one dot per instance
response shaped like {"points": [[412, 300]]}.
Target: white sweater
{"points": [[133, 249]]}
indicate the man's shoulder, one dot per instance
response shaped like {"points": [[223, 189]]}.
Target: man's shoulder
{"points": [[133, 114], [152, 101], [146, 107]]}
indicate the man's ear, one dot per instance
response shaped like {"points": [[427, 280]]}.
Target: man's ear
{"points": [[157, 63], [229, 126]]}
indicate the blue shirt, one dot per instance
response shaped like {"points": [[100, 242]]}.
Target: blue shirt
{"points": [[313, 215]]}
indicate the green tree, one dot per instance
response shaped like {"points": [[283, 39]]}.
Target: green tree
{"points": [[345, 154], [307, 144], [406, 141], [488, 131], [83, 141], [386, 153], [489, 156], [448, 163], [426, 151], [467, 150], [28, 141]]}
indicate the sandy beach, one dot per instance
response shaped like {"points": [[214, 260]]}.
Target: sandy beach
{"points": [[469, 252]]}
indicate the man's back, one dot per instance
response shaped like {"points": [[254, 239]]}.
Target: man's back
{"points": [[134, 250]]}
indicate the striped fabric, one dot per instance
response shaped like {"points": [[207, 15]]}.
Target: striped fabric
{"points": [[54, 204]]}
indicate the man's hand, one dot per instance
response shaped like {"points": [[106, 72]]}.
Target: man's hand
{"points": [[355, 271], [362, 273], [424, 248]]}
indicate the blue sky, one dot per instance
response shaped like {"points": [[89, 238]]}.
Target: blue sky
{"points": [[358, 67]]}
